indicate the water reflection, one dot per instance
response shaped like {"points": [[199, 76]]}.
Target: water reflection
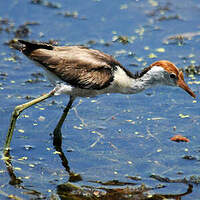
{"points": [[17, 182], [73, 177], [106, 190], [13, 179]]}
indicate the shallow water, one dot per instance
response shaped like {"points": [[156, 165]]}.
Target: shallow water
{"points": [[111, 136]]}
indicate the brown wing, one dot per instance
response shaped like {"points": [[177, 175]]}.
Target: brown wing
{"points": [[78, 66]]}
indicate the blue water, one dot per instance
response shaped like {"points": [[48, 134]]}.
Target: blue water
{"points": [[124, 135]]}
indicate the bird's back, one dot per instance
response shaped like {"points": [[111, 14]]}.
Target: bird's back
{"points": [[77, 65]]}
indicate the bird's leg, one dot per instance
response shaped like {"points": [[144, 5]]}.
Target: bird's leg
{"points": [[18, 109], [57, 135]]}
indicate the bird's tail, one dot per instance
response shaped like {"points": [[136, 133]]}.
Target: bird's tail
{"points": [[27, 47]]}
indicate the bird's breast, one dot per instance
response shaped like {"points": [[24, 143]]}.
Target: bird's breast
{"points": [[122, 83]]}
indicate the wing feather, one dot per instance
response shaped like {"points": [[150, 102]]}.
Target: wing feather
{"points": [[78, 66]]}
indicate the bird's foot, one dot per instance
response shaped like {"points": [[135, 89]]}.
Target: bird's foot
{"points": [[74, 177]]}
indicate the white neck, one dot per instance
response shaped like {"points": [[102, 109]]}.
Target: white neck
{"points": [[150, 79], [128, 85]]}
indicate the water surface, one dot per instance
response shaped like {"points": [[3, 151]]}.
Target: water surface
{"points": [[111, 136]]}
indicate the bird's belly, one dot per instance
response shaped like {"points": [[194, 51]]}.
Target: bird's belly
{"points": [[63, 88]]}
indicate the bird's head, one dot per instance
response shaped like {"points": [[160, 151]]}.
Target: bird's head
{"points": [[169, 74]]}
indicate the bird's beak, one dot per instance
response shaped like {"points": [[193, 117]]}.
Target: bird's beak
{"points": [[181, 83]]}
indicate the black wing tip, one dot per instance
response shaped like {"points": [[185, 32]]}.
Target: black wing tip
{"points": [[36, 45], [28, 46]]}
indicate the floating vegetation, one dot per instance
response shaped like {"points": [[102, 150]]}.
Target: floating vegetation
{"points": [[168, 180], [73, 14], [182, 116], [140, 31], [160, 9], [191, 180], [34, 81], [70, 191], [171, 17], [123, 39], [21, 31], [179, 38], [188, 157], [152, 55], [192, 69], [160, 12], [160, 50], [6, 25], [46, 3], [38, 77], [135, 178], [113, 183], [195, 179]]}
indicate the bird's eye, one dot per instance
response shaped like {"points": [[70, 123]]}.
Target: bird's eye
{"points": [[172, 75]]}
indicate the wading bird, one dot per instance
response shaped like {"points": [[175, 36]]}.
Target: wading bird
{"points": [[81, 72]]}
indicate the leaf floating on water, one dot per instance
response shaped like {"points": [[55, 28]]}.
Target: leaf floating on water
{"points": [[23, 158], [161, 50], [129, 162], [152, 55], [18, 168], [78, 127], [31, 165], [183, 116], [21, 130], [179, 38], [139, 59], [179, 138], [41, 118]]}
